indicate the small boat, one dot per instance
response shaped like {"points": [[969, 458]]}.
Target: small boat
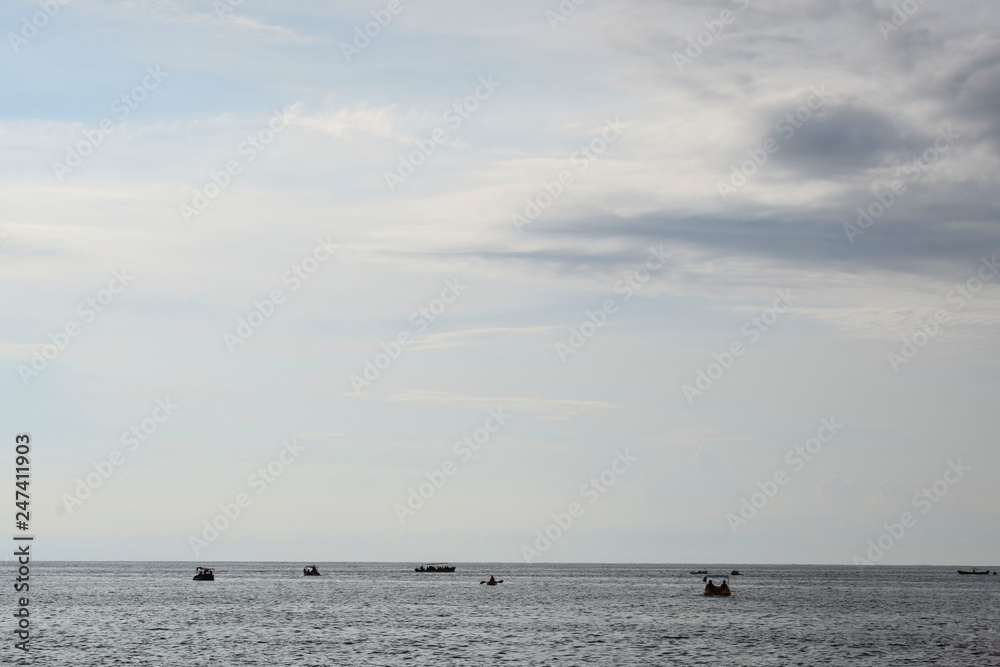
{"points": [[736, 573], [435, 567], [700, 572], [311, 571], [492, 582], [204, 574], [712, 589], [974, 571]]}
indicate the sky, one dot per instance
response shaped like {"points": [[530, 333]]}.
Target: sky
{"points": [[634, 281]]}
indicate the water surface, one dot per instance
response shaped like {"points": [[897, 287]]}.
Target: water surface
{"points": [[385, 614]]}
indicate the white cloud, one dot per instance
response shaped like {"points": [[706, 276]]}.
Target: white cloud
{"points": [[544, 408], [469, 337], [358, 119]]}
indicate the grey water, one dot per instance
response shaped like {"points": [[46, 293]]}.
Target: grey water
{"points": [[543, 614]]}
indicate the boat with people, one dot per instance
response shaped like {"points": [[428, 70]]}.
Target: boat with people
{"points": [[311, 571], [492, 582], [435, 567], [736, 573], [700, 572], [204, 574], [974, 571], [712, 589]]}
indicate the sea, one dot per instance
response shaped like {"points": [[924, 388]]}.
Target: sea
{"points": [[104, 613]]}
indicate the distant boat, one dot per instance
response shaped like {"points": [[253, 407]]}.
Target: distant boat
{"points": [[712, 589], [736, 573], [435, 567], [700, 572], [974, 571], [311, 571], [204, 574]]}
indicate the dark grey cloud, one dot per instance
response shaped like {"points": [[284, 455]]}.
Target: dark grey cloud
{"points": [[938, 231], [973, 91], [922, 233], [848, 139]]}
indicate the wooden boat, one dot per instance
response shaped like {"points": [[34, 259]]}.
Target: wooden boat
{"points": [[311, 571], [974, 571], [435, 567], [204, 574]]}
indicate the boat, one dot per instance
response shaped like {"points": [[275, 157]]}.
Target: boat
{"points": [[204, 574], [492, 582], [712, 589], [735, 573], [700, 572], [311, 571], [435, 567], [974, 571]]}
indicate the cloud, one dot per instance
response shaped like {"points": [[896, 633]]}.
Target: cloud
{"points": [[18, 350], [469, 337], [226, 14], [384, 122], [544, 408], [928, 230], [848, 139]]}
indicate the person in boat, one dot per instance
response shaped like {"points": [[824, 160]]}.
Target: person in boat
{"points": [[724, 587], [492, 580], [711, 586]]}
